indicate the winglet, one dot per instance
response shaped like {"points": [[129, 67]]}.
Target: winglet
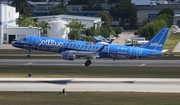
{"points": [[111, 41], [101, 48]]}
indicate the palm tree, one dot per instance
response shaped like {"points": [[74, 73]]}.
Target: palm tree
{"points": [[74, 25], [43, 25], [25, 21]]}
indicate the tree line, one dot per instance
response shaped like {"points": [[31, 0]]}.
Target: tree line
{"points": [[122, 11], [163, 19]]}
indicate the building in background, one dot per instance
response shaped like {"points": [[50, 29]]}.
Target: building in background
{"points": [[176, 20], [9, 30], [58, 29], [8, 16], [57, 23]]}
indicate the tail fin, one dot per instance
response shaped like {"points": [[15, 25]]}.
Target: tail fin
{"points": [[157, 42]]}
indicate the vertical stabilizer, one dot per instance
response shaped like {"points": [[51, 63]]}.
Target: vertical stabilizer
{"points": [[157, 42]]}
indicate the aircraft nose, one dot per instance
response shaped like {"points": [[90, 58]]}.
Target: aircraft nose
{"points": [[13, 42]]}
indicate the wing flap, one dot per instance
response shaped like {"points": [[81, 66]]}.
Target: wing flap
{"points": [[89, 54]]}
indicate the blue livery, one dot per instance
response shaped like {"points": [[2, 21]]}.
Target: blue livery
{"points": [[71, 49]]}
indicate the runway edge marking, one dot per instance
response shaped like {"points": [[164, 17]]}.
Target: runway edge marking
{"points": [[142, 64], [28, 63]]}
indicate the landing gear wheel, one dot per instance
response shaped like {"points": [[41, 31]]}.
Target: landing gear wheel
{"points": [[88, 62], [28, 56]]}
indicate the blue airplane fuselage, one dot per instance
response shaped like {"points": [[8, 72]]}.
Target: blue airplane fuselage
{"points": [[59, 45], [71, 49]]}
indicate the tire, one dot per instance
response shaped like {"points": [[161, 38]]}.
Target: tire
{"points": [[87, 63], [28, 56]]}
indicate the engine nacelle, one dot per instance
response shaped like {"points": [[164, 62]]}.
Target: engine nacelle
{"points": [[68, 55]]}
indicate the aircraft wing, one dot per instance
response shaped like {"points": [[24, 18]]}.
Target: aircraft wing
{"points": [[71, 54]]}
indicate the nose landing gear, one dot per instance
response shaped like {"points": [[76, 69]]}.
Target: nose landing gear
{"points": [[28, 56]]}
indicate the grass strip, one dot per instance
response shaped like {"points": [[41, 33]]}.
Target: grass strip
{"points": [[88, 98], [171, 43], [88, 72], [22, 51]]}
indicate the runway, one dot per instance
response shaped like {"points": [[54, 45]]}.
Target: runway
{"points": [[91, 85], [97, 62]]}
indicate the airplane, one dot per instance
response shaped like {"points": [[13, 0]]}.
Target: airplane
{"points": [[71, 49]]}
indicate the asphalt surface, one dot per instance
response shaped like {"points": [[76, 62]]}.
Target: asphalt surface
{"points": [[7, 46], [165, 85], [91, 85], [80, 62], [55, 54], [126, 34], [177, 48]]}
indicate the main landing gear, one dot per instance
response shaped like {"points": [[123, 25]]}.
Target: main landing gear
{"points": [[28, 56], [88, 62]]}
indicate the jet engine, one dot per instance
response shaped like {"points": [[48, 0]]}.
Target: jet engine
{"points": [[68, 55]]}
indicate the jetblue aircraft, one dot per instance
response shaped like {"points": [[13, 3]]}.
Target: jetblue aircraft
{"points": [[71, 49]]}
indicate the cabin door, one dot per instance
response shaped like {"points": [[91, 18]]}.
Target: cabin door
{"points": [[138, 52]]}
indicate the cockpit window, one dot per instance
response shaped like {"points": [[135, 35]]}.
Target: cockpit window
{"points": [[23, 39]]}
